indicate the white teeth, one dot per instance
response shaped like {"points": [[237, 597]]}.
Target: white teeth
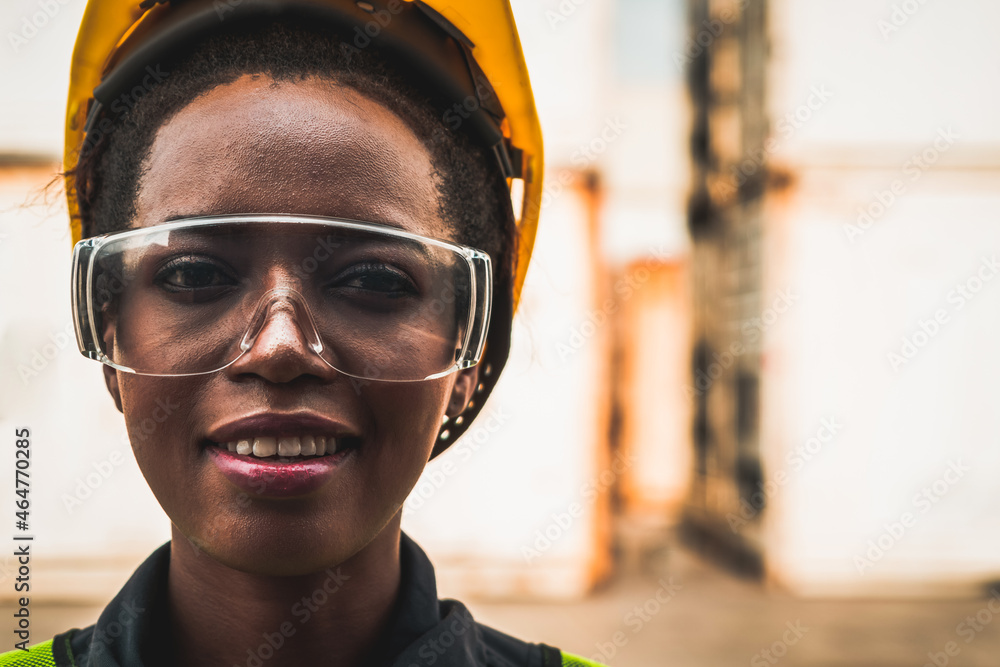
{"points": [[289, 446], [266, 446], [285, 446]]}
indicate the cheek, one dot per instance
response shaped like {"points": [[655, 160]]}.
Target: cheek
{"points": [[406, 418], [158, 419], [410, 410]]}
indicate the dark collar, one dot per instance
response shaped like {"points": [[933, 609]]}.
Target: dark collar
{"points": [[133, 630]]}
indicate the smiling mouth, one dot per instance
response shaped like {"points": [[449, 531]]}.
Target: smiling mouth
{"points": [[289, 448]]}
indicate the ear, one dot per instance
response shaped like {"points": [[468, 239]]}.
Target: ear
{"points": [[465, 386], [111, 380]]}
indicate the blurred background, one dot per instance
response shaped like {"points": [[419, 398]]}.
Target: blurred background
{"points": [[749, 417]]}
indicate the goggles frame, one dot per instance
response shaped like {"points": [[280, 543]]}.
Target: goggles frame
{"points": [[86, 252]]}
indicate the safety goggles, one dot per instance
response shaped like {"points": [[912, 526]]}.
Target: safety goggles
{"points": [[192, 296]]}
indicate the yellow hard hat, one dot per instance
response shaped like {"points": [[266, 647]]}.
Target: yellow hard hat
{"points": [[113, 27], [470, 48]]}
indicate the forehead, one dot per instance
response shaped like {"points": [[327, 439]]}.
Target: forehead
{"points": [[306, 147]]}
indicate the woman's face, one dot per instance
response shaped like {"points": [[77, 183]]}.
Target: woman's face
{"points": [[308, 147]]}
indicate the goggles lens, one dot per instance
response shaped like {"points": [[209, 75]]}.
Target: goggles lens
{"points": [[190, 297]]}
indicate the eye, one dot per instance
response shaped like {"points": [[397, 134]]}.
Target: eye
{"points": [[194, 274], [375, 279]]}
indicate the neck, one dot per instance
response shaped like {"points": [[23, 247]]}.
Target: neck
{"points": [[222, 616]]}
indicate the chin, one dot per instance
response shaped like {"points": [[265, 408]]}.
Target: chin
{"points": [[290, 548]]}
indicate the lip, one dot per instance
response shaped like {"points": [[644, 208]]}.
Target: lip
{"points": [[279, 424], [272, 478]]}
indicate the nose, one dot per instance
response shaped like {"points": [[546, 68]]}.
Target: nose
{"points": [[281, 342]]}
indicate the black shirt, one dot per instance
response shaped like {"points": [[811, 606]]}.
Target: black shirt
{"points": [[133, 630]]}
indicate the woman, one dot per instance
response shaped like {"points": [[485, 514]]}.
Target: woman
{"points": [[299, 237]]}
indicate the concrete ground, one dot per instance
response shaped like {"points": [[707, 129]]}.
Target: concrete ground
{"points": [[683, 612], [715, 619]]}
